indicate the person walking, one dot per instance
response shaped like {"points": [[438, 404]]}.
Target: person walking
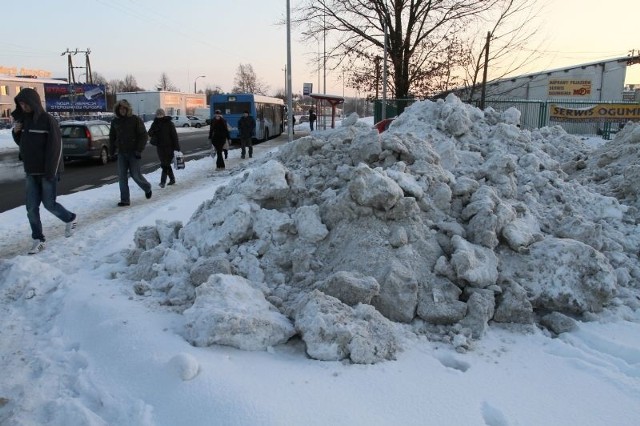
{"points": [[246, 130], [218, 134], [165, 138], [127, 139], [37, 134], [312, 118]]}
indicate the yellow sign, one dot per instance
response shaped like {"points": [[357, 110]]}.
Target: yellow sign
{"points": [[15, 71], [569, 88], [599, 112]]}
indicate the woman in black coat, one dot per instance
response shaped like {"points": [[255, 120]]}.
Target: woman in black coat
{"points": [[218, 133], [164, 136]]}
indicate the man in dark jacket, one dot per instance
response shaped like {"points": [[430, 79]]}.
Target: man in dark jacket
{"points": [[164, 136], [218, 134], [246, 129], [127, 138], [312, 119], [37, 134]]}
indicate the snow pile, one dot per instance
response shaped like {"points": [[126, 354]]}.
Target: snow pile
{"points": [[452, 219], [614, 168]]}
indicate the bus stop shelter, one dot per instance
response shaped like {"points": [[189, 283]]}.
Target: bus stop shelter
{"points": [[322, 100]]}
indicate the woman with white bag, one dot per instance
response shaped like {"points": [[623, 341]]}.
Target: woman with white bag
{"points": [[164, 136]]}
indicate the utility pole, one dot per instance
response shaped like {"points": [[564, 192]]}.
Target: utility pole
{"points": [[288, 82], [71, 67], [486, 67], [384, 68], [377, 62]]}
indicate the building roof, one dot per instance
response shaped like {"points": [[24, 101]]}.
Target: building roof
{"points": [[34, 80], [632, 59]]}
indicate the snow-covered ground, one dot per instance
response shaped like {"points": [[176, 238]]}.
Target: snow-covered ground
{"points": [[96, 329]]}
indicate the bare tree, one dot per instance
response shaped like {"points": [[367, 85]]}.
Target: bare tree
{"points": [[215, 90], [425, 39], [165, 83], [114, 86], [246, 81], [98, 78], [129, 84], [505, 40]]}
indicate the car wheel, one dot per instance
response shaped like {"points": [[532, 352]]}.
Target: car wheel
{"points": [[104, 156], [198, 125], [185, 125]]}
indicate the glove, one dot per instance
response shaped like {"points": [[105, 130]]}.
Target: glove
{"points": [[138, 155]]}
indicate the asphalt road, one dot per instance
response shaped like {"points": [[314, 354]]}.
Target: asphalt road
{"points": [[83, 175]]}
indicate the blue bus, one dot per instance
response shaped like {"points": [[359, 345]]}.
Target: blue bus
{"points": [[268, 112]]}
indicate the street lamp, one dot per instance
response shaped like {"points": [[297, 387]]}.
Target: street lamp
{"points": [[195, 81]]}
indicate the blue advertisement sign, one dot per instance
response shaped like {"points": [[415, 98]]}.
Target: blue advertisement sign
{"points": [[75, 97]]}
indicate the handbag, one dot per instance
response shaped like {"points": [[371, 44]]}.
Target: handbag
{"points": [[226, 144], [178, 160]]}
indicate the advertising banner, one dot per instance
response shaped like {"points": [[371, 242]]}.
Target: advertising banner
{"points": [[75, 97], [569, 88], [598, 112]]}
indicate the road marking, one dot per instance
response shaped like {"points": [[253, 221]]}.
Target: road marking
{"points": [[82, 188], [110, 177]]}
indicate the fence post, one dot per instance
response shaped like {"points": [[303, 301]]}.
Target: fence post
{"points": [[542, 117]]}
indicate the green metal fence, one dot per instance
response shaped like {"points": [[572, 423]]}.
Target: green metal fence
{"points": [[534, 113], [392, 107]]}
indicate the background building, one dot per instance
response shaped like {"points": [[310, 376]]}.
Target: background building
{"points": [[11, 85], [145, 104]]}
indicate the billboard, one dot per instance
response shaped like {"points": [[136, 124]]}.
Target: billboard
{"points": [[307, 88], [598, 112], [74, 97], [569, 88]]}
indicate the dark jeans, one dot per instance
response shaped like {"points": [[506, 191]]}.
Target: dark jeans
{"points": [[219, 154], [311, 125], [166, 171], [42, 190], [128, 164], [246, 142]]}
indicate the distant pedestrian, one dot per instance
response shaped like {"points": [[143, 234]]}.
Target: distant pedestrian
{"points": [[293, 128], [246, 130], [37, 133], [312, 118], [127, 139], [165, 138], [219, 134]]}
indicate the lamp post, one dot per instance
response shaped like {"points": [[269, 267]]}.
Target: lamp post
{"points": [[195, 81], [288, 87]]}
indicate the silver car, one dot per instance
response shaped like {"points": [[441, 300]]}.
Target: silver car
{"points": [[181, 121]]}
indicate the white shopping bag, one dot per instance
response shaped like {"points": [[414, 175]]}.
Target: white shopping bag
{"points": [[178, 160]]}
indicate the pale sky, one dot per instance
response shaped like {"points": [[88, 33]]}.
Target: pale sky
{"points": [[189, 38]]}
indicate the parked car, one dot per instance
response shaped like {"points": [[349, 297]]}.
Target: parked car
{"points": [[5, 123], [85, 139], [196, 122], [383, 125], [181, 121]]}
